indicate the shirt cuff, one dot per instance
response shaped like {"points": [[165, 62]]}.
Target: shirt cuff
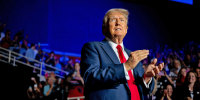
{"points": [[147, 84], [126, 72]]}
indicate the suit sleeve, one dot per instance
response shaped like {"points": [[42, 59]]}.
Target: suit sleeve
{"points": [[96, 74]]}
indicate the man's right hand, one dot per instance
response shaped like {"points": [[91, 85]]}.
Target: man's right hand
{"points": [[135, 57]]}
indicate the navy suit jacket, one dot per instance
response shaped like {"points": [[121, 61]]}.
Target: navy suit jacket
{"points": [[104, 75]]}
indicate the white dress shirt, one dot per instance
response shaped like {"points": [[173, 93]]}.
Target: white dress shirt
{"points": [[114, 45]]}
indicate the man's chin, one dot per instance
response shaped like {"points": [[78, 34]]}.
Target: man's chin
{"points": [[119, 33]]}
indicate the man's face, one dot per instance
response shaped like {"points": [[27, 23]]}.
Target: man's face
{"points": [[117, 24]]}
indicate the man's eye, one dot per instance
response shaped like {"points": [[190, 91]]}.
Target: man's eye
{"points": [[122, 20], [112, 20]]}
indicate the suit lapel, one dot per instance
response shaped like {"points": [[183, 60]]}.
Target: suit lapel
{"points": [[127, 51], [109, 51]]}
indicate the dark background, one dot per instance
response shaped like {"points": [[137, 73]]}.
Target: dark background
{"points": [[65, 25]]}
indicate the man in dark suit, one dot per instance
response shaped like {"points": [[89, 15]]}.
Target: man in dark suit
{"points": [[112, 72]]}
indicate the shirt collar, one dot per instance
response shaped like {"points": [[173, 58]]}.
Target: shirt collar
{"points": [[114, 45]]}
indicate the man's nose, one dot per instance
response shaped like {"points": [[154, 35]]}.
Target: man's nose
{"points": [[117, 22]]}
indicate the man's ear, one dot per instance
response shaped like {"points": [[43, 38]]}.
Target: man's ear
{"points": [[126, 28]]}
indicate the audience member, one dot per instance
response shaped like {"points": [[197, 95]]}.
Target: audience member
{"points": [[181, 77], [58, 66], [191, 87], [198, 73], [2, 34], [180, 83], [23, 47], [69, 67], [174, 71], [40, 55], [77, 74], [76, 82], [15, 44], [34, 92], [30, 54], [6, 41], [50, 61], [63, 60], [167, 93], [48, 88]]}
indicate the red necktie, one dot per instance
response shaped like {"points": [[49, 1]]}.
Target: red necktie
{"points": [[131, 83]]}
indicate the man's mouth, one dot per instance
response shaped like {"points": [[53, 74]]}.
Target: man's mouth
{"points": [[118, 29]]}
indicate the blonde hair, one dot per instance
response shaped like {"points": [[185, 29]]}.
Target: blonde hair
{"points": [[124, 12]]}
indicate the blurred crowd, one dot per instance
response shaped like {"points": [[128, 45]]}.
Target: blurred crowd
{"points": [[55, 88], [179, 79], [51, 84]]}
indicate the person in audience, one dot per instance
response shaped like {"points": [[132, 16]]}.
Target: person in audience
{"points": [[191, 87], [180, 83], [169, 79], [58, 66], [41, 88], [181, 77], [63, 60], [49, 88], [77, 74], [31, 94], [50, 61], [30, 54], [167, 93], [24, 43], [76, 82], [162, 80], [198, 64], [60, 89], [15, 44], [169, 63], [174, 71], [23, 48], [41, 58], [69, 67], [198, 73], [20, 35], [2, 34], [40, 55], [34, 91], [187, 59], [6, 41]]}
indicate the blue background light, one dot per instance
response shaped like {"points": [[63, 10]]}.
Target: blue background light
{"points": [[65, 25], [184, 1]]}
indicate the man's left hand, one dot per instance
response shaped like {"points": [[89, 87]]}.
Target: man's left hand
{"points": [[152, 70]]}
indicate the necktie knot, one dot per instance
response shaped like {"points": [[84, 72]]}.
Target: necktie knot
{"points": [[119, 47]]}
